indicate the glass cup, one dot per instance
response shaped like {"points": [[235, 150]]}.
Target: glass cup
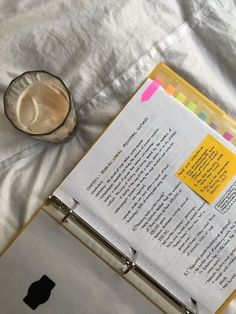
{"points": [[39, 104]]}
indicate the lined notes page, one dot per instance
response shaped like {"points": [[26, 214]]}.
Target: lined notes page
{"points": [[130, 189]]}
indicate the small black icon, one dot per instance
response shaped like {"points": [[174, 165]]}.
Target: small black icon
{"points": [[39, 292]]}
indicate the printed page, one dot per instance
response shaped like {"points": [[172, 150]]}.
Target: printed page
{"points": [[140, 183]]}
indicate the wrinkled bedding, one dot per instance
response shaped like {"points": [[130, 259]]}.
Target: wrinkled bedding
{"points": [[102, 50]]}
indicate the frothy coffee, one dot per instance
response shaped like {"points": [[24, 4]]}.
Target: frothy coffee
{"points": [[42, 107]]}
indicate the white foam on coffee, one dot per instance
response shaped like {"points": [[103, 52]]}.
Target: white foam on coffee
{"points": [[42, 107]]}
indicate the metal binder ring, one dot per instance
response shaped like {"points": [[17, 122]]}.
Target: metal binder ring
{"points": [[130, 262], [64, 219], [127, 267]]}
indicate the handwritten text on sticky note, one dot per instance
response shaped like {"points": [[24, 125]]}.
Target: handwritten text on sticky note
{"points": [[208, 169]]}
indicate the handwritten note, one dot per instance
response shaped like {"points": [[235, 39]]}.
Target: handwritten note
{"points": [[209, 168]]}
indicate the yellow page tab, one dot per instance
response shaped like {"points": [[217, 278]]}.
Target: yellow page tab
{"points": [[229, 305], [208, 169]]}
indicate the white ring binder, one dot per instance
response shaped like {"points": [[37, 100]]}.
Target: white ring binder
{"points": [[130, 262]]}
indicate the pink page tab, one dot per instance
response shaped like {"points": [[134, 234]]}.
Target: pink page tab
{"points": [[150, 90], [228, 136]]}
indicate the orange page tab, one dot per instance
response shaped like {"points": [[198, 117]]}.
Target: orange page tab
{"points": [[208, 169]]}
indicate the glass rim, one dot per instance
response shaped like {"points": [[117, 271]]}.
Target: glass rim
{"points": [[19, 77]]}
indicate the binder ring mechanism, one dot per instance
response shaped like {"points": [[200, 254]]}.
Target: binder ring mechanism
{"points": [[71, 210], [130, 262]]}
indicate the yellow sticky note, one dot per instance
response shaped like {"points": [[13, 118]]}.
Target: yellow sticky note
{"points": [[208, 169]]}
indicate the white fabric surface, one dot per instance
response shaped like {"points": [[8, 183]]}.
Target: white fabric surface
{"points": [[103, 50]]}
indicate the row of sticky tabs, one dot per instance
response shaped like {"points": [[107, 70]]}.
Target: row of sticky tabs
{"points": [[180, 97]]}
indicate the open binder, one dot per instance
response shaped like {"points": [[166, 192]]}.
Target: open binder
{"points": [[125, 265], [168, 297], [162, 295]]}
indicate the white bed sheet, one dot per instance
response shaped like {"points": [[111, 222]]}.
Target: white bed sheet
{"points": [[103, 50]]}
